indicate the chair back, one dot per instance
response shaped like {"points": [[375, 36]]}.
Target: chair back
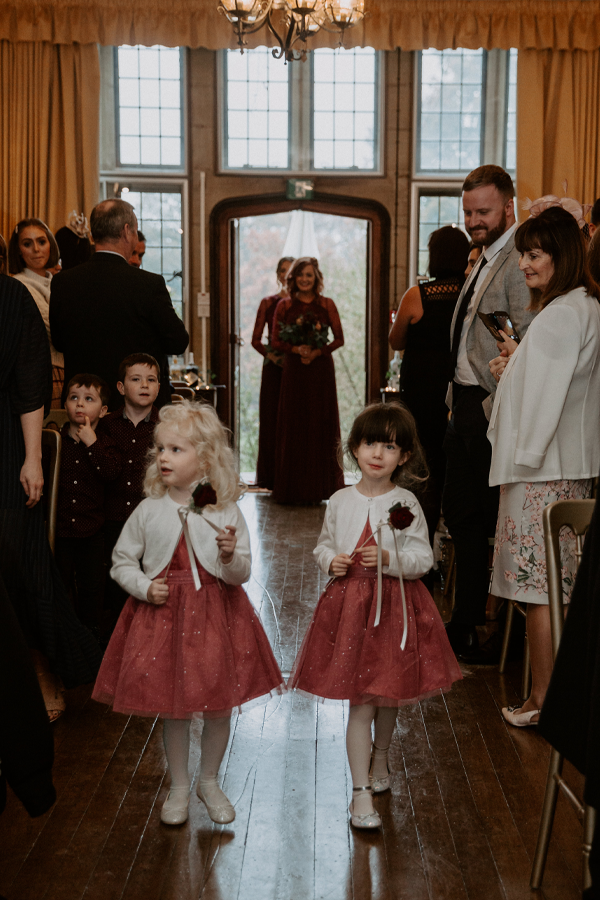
{"points": [[51, 450], [176, 398], [186, 392], [576, 515], [58, 416]]}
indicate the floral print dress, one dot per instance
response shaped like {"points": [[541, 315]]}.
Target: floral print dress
{"points": [[519, 552]]}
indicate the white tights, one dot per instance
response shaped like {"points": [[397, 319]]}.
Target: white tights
{"points": [[358, 746], [176, 738]]}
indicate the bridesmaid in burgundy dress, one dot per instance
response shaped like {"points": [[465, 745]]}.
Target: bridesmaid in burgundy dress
{"points": [[270, 383], [308, 425]]}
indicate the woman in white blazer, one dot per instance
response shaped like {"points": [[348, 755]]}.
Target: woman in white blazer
{"points": [[544, 426]]}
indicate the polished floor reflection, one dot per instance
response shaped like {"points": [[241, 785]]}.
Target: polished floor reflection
{"points": [[460, 822]]}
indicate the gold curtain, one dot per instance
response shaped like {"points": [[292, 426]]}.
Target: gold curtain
{"points": [[49, 131], [409, 24], [558, 124]]}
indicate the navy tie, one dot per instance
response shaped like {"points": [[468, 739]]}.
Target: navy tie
{"points": [[460, 318]]}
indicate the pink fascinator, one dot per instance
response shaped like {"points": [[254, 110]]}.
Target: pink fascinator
{"points": [[578, 210]]}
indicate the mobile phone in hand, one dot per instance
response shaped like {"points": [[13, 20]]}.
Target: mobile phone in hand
{"points": [[499, 321]]}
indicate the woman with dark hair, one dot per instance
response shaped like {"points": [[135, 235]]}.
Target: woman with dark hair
{"points": [[544, 426], [308, 423], [270, 383], [422, 329], [32, 251]]}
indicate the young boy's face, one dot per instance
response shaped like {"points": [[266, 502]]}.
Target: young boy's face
{"points": [[141, 385], [84, 401]]}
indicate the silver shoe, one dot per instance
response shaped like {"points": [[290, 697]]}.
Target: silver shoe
{"points": [[519, 720], [175, 808], [223, 813], [368, 820], [384, 782]]}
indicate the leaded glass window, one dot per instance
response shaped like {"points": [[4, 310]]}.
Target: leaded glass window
{"points": [[159, 216], [149, 107], [345, 109], [257, 105], [435, 210], [451, 110]]}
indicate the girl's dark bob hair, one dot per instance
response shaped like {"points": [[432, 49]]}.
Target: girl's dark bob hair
{"points": [[556, 232], [448, 253], [390, 422], [16, 263]]}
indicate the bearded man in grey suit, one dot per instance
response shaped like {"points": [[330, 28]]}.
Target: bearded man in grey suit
{"points": [[469, 504]]}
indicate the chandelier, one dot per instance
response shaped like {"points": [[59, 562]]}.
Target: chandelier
{"points": [[300, 19]]}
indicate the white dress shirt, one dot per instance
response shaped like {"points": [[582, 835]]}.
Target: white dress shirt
{"points": [[464, 373]]}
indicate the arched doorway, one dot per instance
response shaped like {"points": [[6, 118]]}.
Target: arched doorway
{"points": [[225, 290]]}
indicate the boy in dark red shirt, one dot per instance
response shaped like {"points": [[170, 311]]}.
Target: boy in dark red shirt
{"points": [[131, 430], [88, 462]]}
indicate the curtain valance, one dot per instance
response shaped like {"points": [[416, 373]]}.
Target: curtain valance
{"points": [[409, 24]]}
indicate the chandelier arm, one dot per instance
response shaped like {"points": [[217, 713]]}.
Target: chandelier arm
{"points": [[278, 54]]}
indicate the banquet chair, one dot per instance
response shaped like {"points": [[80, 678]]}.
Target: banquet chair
{"points": [[186, 393], [176, 398], [576, 514], [51, 453]]}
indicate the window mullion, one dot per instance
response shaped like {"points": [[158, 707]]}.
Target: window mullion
{"points": [[494, 140]]}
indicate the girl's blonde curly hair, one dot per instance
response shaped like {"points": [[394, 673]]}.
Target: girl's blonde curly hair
{"points": [[200, 424]]}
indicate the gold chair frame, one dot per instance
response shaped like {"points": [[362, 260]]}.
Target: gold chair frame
{"points": [[515, 606], [187, 393], [53, 441], [577, 514]]}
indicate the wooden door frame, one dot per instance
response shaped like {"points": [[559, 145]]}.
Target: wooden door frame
{"points": [[221, 280]]}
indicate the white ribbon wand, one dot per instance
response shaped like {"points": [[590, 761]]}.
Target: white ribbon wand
{"points": [[380, 582], [402, 512], [210, 497]]}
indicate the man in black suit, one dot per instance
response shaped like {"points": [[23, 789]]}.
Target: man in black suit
{"points": [[105, 309]]}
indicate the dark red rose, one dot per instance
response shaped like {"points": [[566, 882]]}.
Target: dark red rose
{"points": [[400, 517], [204, 495]]}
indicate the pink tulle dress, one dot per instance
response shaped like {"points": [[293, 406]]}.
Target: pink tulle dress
{"points": [[203, 653], [345, 657]]}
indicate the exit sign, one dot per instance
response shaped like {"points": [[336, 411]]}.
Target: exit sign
{"points": [[299, 189]]}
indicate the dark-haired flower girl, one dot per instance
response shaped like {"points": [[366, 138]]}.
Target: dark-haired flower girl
{"points": [[376, 637]]}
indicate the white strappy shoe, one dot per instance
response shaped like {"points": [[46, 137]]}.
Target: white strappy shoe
{"points": [[368, 820]]}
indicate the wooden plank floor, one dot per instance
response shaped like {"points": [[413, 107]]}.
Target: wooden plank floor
{"points": [[459, 824]]}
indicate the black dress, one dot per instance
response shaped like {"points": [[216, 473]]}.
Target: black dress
{"points": [[26, 741], [26, 563], [424, 382]]}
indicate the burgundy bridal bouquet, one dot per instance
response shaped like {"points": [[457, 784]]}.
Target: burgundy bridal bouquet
{"points": [[306, 329]]}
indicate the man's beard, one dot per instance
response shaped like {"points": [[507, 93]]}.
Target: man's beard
{"points": [[492, 235]]}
